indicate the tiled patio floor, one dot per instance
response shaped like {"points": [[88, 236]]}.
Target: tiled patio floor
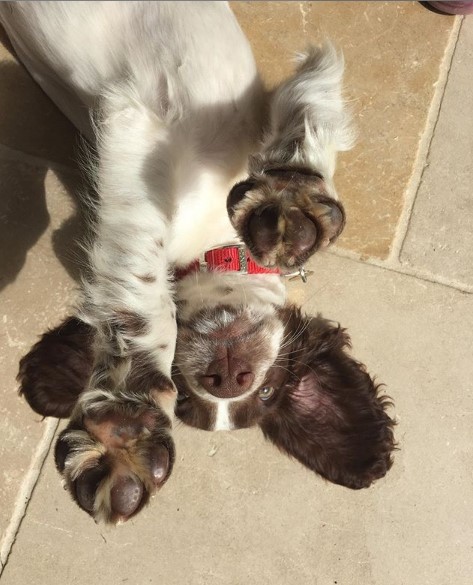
{"points": [[400, 280]]}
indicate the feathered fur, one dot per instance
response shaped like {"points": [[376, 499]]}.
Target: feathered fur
{"points": [[170, 98]]}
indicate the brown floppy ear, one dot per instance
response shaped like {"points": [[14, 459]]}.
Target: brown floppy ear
{"points": [[330, 415], [56, 370]]}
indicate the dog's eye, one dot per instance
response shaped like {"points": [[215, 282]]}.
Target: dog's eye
{"points": [[266, 392]]}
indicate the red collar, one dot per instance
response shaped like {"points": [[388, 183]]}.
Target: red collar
{"points": [[233, 258]]}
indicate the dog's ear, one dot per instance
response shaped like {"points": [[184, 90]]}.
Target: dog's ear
{"points": [[56, 370], [330, 414]]}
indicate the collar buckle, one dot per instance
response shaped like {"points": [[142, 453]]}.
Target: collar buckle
{"points": [[301, 273], [242, 258]]}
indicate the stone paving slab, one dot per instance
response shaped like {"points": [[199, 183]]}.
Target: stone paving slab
{"points": [[440, 236], [36, 221], [393, 53], [236, 511]]}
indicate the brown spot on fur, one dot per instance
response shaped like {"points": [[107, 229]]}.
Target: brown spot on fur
{"points": [[159, 243], [132, 323], [148, 278], [163, 346]]}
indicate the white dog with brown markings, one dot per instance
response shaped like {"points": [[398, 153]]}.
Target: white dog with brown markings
{"points": [[209, 188]]}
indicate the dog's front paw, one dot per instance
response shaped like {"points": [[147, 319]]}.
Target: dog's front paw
{"points": [[115, 453], [285, 216]]}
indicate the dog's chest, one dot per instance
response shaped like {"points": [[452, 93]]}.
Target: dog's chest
{"points": [[200, 221]]}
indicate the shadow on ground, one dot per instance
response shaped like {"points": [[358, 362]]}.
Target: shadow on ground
{"points": [[36, 129]]}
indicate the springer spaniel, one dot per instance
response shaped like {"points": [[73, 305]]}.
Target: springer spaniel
{"points": [[184, 310]]}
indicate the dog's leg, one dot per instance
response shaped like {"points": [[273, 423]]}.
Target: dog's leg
{"points": [[118, 449], [288, 207]]}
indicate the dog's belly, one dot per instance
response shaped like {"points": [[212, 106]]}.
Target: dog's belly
{"points": [[169, 52], [170, 56]]}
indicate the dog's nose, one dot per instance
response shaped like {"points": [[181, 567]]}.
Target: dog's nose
{"points": [[227, 378]]}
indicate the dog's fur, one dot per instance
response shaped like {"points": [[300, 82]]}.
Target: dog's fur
{"points": [[170, 95]]}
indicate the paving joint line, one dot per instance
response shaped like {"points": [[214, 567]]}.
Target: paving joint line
{"points": [[424, 146], [26, 491], [399, 268]]}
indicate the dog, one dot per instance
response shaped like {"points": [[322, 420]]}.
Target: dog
{"points": [[210, 190]]}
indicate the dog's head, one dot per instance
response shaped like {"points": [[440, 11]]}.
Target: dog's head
{"points": [[239, 365], [292, 375]]}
